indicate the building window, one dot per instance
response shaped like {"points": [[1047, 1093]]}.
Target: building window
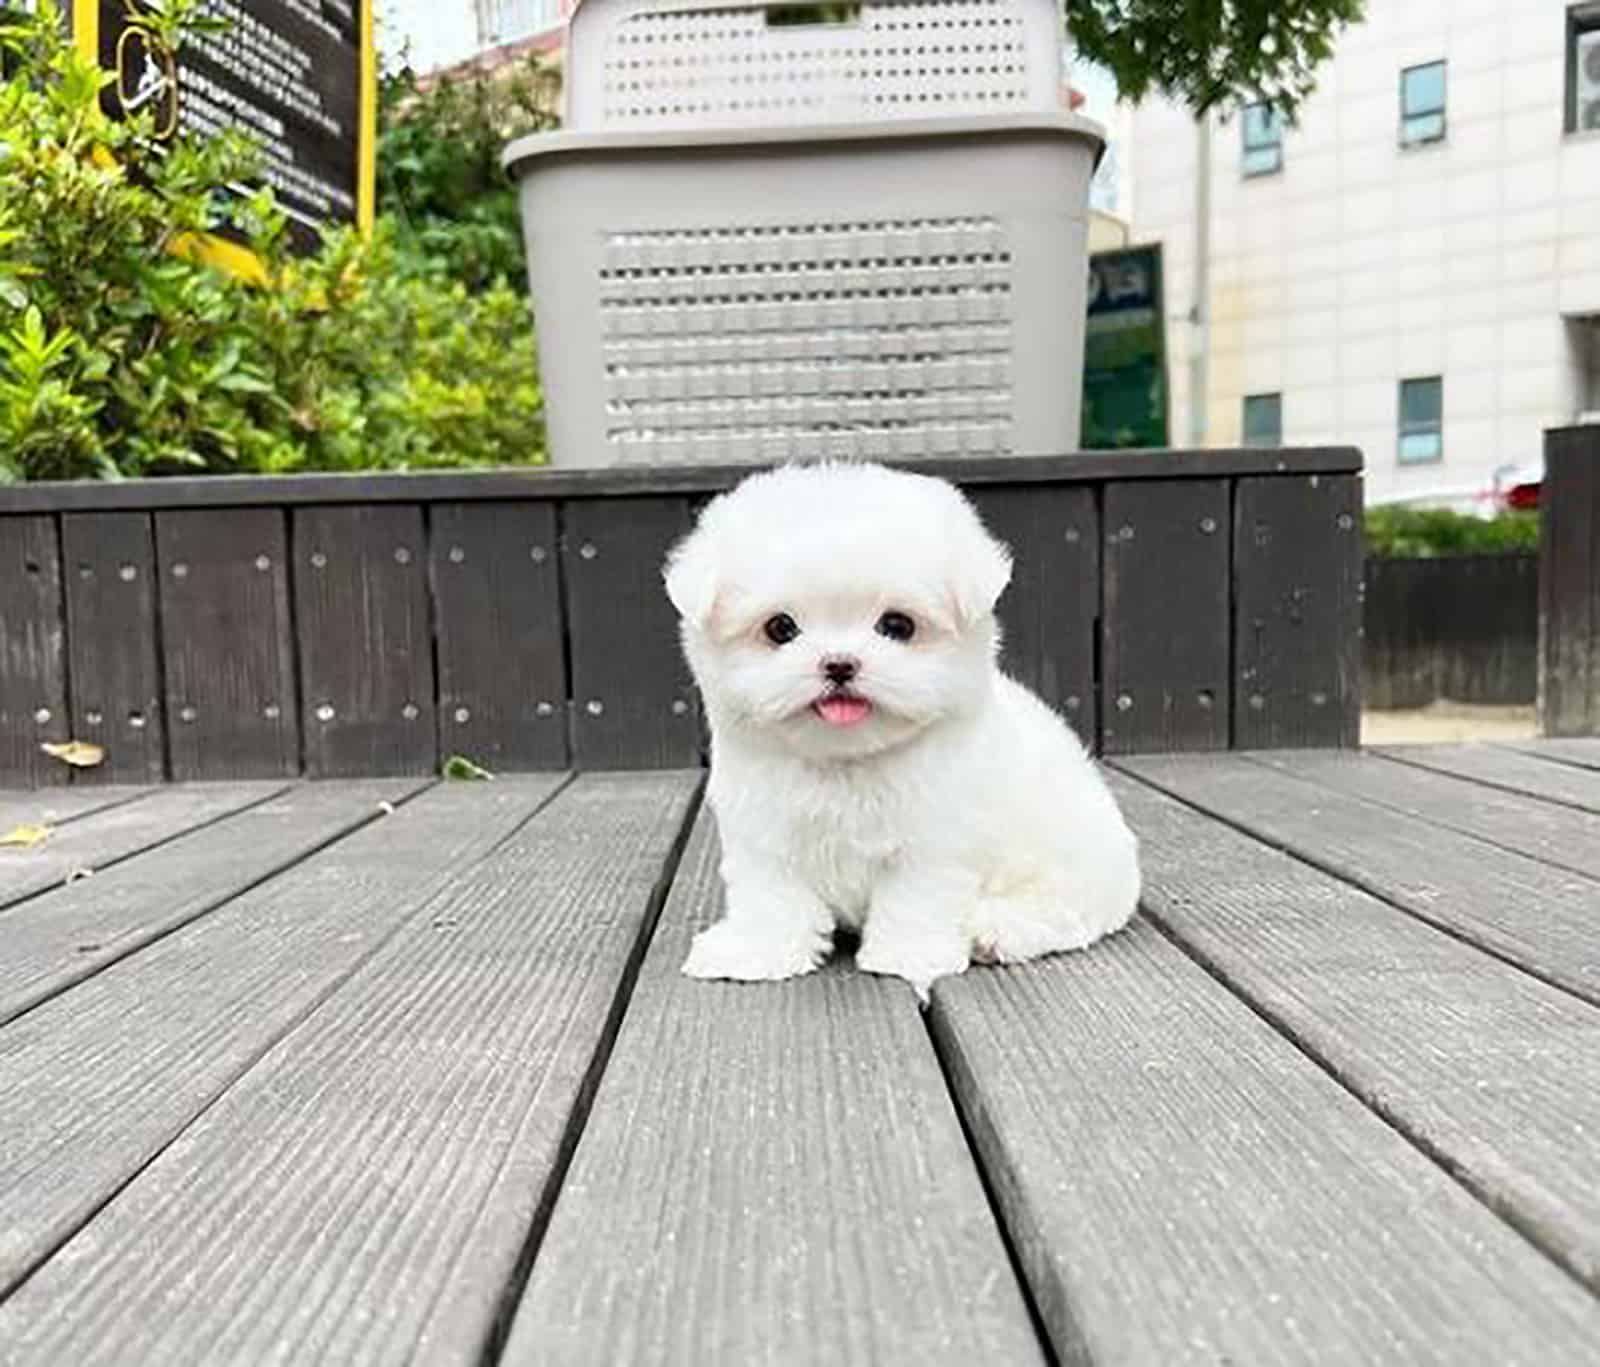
{"points": [[1422, 104], [1583, 68], [1421, 420], [1263, 140], [1263, 420]]}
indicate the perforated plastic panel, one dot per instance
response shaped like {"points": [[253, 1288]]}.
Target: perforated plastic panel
{"points": [[822, 338], [667, 65]]}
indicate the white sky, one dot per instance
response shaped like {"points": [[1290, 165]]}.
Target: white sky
{"points": [[439, 31]]}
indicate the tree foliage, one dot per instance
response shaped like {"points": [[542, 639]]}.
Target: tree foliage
{"points": [[439, 169], [1206, 53], [122, 352]]}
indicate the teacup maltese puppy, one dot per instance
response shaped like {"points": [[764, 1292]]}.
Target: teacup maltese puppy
{"points": [[871, 766]]}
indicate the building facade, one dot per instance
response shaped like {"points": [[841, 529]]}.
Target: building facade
{"points": [[1415, 267]]}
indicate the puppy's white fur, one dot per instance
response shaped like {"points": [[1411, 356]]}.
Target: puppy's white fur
{"points": [[961, 819]]}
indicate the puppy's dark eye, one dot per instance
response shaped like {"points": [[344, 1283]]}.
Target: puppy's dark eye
{"points": [[896, 626], [781, 629]]}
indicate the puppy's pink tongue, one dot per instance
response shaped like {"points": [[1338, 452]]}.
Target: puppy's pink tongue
{"points": [[839, 711]]}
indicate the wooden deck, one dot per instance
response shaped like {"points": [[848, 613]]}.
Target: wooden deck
{"points": [[390, 1071]]}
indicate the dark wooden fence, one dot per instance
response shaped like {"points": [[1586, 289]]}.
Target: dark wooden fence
{"points": [[331, 625], [1462, 627], [1569, 583]]}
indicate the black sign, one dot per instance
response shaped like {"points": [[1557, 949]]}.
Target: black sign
{"points": [[288, 72]]}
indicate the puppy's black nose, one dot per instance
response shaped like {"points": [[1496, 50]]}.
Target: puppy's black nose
{"points": [[840, 669]]}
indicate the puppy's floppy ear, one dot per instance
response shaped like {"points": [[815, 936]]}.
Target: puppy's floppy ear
{"points": [[981, 570], [692, 580]]}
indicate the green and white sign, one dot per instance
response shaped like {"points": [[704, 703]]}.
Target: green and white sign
{"points": [[1125, 352]]}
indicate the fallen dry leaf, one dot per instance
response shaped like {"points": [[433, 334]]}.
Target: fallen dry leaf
{"points": [[78, 753], [25, 837]]}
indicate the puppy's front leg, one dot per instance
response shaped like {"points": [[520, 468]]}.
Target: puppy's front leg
{"points": [[774, 927], [914, 928]]}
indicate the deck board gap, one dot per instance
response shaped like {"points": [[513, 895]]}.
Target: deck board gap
{"points": [[511, 1293]]}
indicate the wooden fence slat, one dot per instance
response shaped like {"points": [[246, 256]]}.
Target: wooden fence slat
{"points": [[366, 649], [502, 657], [1569, 583], [33, 696], [1297, 612], [108, 560], [1462, 627], [227, 643], [767, 1130], [634, 706], [1165, 625], [1050, 613]]}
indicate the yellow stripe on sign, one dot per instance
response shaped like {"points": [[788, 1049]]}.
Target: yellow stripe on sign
{"points": [[367, 149], [86, 28]]}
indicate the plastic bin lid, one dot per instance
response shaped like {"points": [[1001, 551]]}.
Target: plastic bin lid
{"points": [[536, 146]]}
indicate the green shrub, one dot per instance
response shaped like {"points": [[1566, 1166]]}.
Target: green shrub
{"points": [[1425, 532], [122, 353]]}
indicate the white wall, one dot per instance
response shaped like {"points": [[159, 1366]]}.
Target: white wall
{"points": [[1362, 263]]}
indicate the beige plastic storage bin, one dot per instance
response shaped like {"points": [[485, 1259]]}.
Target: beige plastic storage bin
{"points": [[900, 289]]}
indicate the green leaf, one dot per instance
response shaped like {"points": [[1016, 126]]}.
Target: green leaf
{"points": [[461, 768]]}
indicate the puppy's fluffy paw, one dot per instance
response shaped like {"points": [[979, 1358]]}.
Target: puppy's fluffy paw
{"points": [[729, 950], [919, 961]]}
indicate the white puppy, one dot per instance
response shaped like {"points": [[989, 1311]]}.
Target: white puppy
{"points": [[871, 766]]}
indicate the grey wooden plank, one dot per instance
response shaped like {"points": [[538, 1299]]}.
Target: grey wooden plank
{"points": [[501, 647], [1297, 611], [1165, 627], [96, 1083], [1540, 918], [422, 486], [33, 697], [52, 807], [366, 651], [58, 939], [108, 560], [1558, 836], [1050, 612], [364, 1193], [1183, 1185], [1499, 767], [633, 705], [1491, 1071], [1582, 751], [1569, 583], [227, 643], [771, 1173], [95, 842]]}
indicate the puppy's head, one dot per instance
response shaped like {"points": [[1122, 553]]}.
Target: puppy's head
{"points": [[839, 609]]}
